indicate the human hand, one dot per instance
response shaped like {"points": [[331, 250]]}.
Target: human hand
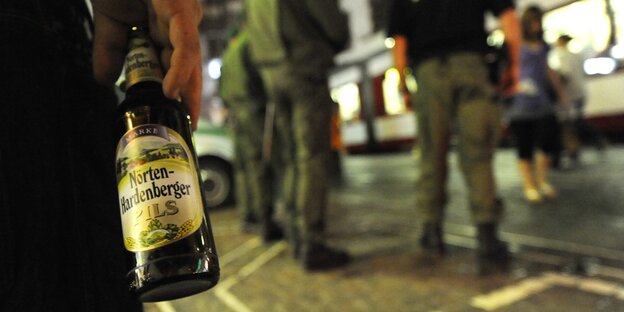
{"points": [[406, 97], [509, 81], [564, 101], [173, 26]]}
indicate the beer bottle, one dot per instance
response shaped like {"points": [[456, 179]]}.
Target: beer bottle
{"points": [[160, 195]]}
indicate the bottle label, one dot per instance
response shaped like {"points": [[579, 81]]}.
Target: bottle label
{"points": [[142, 62], [159, 193]]}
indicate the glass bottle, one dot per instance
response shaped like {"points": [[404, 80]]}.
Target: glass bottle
{"points": [[160, 195]]}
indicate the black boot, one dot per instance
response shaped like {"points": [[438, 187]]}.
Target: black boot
{"points": [[492, 253], [250, 221], [271, 231], [431, 239], [316, 256]]}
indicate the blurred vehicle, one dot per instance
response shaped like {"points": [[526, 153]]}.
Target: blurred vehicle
{"points": [[215, 153], [376, 118]]}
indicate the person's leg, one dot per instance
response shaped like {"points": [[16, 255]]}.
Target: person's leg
{"points": [[433, 116], [279, 158], [570, 140], [256, 171], [282, 159], [241, 187], [312, 110], [478, 119], [586, 133], [525, 167], [432, 107], [261, 179], [548, 144], [523, 131]]}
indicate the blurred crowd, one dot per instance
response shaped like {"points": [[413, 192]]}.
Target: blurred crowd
{"points": [[274, 82], [63, 245]]}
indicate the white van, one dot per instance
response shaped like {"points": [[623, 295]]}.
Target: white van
{"points": [[215, 153]]}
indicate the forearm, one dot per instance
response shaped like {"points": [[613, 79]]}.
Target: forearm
{"points": [[556, 82], [399, 53], [511, 28], [126, 12]]}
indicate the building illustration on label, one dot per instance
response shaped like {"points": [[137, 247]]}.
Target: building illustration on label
{"points": [[159, 198]]}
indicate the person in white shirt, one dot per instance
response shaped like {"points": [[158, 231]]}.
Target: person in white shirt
{"points": [[570, 67]]}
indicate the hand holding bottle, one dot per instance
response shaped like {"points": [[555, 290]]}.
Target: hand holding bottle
{"points": [[161, 200], [173, 27]]}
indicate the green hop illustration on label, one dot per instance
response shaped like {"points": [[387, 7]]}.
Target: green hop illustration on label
{"points": [[172, 230], [131, 243], [154, 225], [157, 233]]}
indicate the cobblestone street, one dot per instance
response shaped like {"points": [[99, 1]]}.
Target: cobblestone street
{"points": [[568, 254]]}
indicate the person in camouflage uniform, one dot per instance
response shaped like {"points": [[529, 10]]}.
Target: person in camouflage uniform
{"points": [[241, 89], [445, 43], [294, 42]]}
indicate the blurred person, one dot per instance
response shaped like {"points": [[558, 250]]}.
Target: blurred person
{"points": [[532, 114], [335, 167], [294, 43], [241, 89], [569, 66], [445, 44], [562, 62], [62, 242]]}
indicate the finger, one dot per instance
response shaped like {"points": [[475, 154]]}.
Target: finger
{"points": [[109, 49], [191, 95], [186, 56]]}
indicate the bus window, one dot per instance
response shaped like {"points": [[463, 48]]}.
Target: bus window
{"points": [[591, 36], [392, 98], [348, 98], [617, 51]]}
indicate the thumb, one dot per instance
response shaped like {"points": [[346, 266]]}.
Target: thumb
{"points": [[109, 47]]}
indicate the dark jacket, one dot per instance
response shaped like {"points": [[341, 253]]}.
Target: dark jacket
{"points": [[439, 27], [62, 245]]}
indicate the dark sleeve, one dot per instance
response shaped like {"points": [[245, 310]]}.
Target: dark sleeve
{"points": [[396, 19], [255, 85], [332, 20], [499, 6]]}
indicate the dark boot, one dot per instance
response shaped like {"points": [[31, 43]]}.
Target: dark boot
{"points": [[315, 257], [294, 240], [271, 231], [249, 224], [431, 239], [492, 253]]}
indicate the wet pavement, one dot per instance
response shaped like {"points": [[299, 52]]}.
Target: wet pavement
{"points": [[568, 254]]}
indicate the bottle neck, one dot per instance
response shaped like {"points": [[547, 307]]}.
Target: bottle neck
{"points": [[142, 64], [144, 86]]}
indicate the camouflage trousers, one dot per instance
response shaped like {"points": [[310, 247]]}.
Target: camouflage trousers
{"points": [[303, 110], [455, 99], [253, 177]]}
